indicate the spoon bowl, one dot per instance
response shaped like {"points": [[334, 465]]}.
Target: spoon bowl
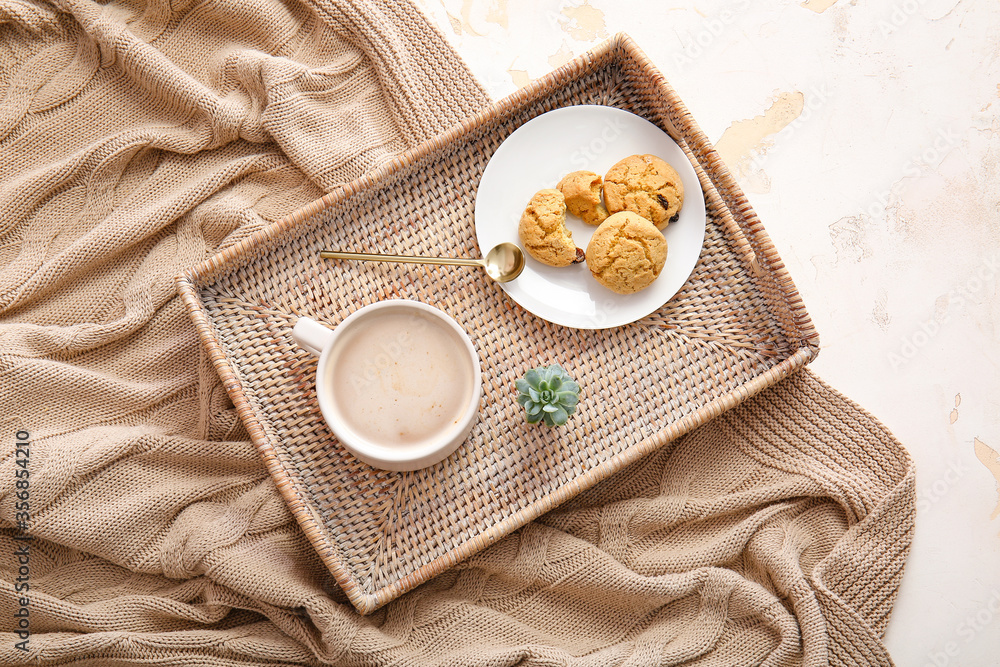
{"points": [[504, 262]]}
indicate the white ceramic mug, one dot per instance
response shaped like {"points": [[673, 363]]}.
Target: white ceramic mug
{"points": [[398, 382]]}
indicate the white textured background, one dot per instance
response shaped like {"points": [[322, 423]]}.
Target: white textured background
{"points": [[865, 135]]}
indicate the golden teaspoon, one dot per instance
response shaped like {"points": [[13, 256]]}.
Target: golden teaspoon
{"points": [[503, 263]]}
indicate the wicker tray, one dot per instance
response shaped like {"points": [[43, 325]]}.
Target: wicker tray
{"points": [[736, 327]]}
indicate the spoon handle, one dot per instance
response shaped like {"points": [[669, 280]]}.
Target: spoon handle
{"points": [[406, 259]]}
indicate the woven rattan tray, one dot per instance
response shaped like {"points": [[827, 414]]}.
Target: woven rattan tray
{"points": [[736, 327]]}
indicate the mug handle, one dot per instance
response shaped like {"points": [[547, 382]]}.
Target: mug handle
{"points": [[311, 335]]}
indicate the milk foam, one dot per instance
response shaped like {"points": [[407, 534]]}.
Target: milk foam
{"points": [[400, 378]]}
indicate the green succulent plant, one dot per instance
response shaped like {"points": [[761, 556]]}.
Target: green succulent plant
{"points": [[548, 394]]}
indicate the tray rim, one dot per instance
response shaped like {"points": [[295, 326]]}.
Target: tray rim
{"points": [[189, 281]]}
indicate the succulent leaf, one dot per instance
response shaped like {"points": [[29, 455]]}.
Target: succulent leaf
{"points": [[568, 399], [558, 418], [549, 394]]}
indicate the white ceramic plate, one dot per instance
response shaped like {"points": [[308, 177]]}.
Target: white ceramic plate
{"points": [[537, 155]]}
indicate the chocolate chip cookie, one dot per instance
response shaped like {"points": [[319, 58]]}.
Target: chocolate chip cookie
{"points": [[543, 230], [626, 253], [646, 185], [582, 190]]}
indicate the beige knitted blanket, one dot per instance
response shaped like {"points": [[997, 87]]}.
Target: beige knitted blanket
{"points": [[137, 523]]}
